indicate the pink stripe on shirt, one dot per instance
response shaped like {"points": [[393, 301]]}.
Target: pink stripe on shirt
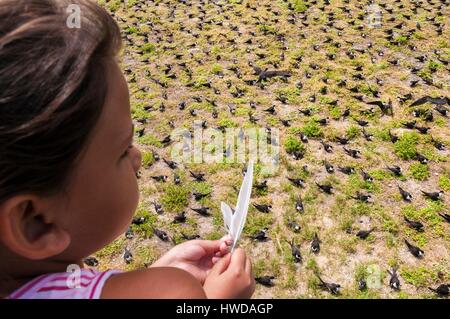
{"points": [[95, 285], [27, 287], [54, 286]]}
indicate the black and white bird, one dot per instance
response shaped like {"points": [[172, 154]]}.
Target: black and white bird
{"points": [[189, 237], [414, 250], [166, 140], [138, 220], [438, 144], [171, 164], [260, 235], [303, 138], [363, 234], [333, 288], [158, 208], [362, 123], [423, 129], [397, 170], [129, 233], [346, 170], [294, 226], [362, 197], [442, 290], [199, 177], [362, 285], [441, 110], [366, 177], [261, 186], [410, 125], [299, 205], [161, 234], [127, 256], [271, 110], [342, 140], [265, 280], [306, 112], [204, 211], [295, 251], [352, 153], [160, 178], [91, 261], [394, 138], [414, 224], [297, 181], [199, 196], [315, 244], [325, 188], [405, 195], [327, 147], [422, 159], [180, 218], [263, 208], [367, 135], [386, 108], [434, 195], [445, 216], [329, 168], [394, 281]]}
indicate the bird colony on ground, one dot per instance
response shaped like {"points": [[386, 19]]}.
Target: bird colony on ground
{"points": [[359, 205]]}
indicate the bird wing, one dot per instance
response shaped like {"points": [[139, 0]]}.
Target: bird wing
{"points": [[270, 74], [378, 103], [240, 215], [438, 100], [422, 100], [227, 215]]}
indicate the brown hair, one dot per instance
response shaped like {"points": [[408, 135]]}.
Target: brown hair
{"points": [[52, 90]]}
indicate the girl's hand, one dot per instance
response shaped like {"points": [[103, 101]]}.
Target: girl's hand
{"points": [[231, 277], [195, 256]]}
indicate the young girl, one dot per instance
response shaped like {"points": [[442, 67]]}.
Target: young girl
{"points": [[68, 167]]}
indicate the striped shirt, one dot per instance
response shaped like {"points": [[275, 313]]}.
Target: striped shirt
{"points": [[84, 284]]}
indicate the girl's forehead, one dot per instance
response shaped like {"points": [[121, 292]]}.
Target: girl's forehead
{"points": [[115, 123]]}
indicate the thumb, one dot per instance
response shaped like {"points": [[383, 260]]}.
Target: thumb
{"points": [[221, 265]]}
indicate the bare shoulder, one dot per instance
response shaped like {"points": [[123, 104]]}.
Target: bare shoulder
{"points": [[158, 282]]}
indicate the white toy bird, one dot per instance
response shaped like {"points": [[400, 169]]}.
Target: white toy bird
{"points": [[235, 222]]}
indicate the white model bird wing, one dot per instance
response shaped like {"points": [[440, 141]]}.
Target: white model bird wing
{"points": [[227, 216], [240, 215]]}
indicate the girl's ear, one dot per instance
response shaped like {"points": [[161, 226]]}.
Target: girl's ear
{"points": [[28, 230]]}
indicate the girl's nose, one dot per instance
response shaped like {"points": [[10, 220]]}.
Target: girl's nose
{"points": [[136, 159]]}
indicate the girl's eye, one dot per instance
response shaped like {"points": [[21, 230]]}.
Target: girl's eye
{"points": [[125, 154]]}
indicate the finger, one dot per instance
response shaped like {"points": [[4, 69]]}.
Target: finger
{"points": [[238, 259], [221, 265], [216, 259], [223, 249], [227, 239], [221, 245], [209, 246]]}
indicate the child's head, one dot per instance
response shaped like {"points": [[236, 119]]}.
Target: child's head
{"points": [[67, 165]]}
